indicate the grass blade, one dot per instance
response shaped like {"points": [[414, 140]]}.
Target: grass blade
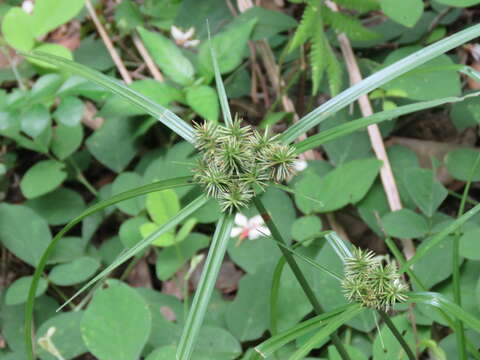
{"points": [[441, 302], [135, 249], [440, 236], [222, 94], [205, 287], [162, 114], [157, 186], [378, 79], [345, 129], [273, 344], [333, 324]]}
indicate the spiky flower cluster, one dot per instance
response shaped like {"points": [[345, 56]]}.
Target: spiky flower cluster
{"points": [[237, 161], [371, 283]]}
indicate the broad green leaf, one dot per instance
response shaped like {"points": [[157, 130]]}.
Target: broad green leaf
{"points": [[50, 246], [69, 249], [50, 14], [51, 49], [205, 287], [204, 101], [74, 272], [35, 120], [460, 162], [406, 12], [126, 181], [306, 227], [459, 3], [117, 323], [466, 114], [470, 244], [163, 353], [164, 240], [46, 87], [70, 111], [156, 110], [386, 346], [18, 30], [376, 80], [424, 189], [168, 57], [229, 47], [66, 140], [17, 224], [404, 224], [373, 205], [162, 205], [42, 178], [172, 258], [59, 206], [129, 232], [103, 143], [102, 60], [322, 195], [247, 315], [67, 338], [128, 15], [251, 255], [18, 290]]}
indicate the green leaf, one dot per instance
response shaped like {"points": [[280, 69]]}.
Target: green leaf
{"points": [[460, 162], [128, 15], [162, 114], [229, 47], [103, 143], [70, 111], [18, 290], [466, 113], [162, 206], [386, 346], [168, 57], [406, 12], [74, 272], [110, 336], [18, 30], [51, 49], [322, 195], [35, 120], [405, 224], [66, 140], [459, 3], [204, 101], [430, 81], [42, 178], [376, 80], [66, 338], [424, 189], [17, 224], [469, 244], [129, 232], [59, 206], [50, 14], [306, 227], [205, 287], [126, 181]]}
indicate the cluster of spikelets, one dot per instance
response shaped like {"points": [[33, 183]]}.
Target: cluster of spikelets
{"points": [[237, 162], [371, 283]]}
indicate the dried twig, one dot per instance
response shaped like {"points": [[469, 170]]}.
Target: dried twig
{"points": [[157, 75]]}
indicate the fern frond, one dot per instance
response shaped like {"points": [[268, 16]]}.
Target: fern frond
{"points": [[347, 24], [362, 6], [306, 27], [334, 71], [318, 60]]}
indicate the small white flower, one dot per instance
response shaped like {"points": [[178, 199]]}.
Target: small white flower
{"points": [[184, 38], [252, 228], [300, 165], [28, 6]]}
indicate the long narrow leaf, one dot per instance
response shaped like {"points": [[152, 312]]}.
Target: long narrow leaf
{"points": [[333, 324], [441, 302], [273, 344], [378, 79], [345, 129], [141, 190], [222, 94], [162, 114], [205, 287], [135, 249], [440, 236]]}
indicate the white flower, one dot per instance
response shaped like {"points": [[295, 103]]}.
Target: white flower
{"points": [[252, 228], [300, 165], [28, 6], [184, 38]]}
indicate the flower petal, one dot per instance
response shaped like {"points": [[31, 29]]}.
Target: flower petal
{"points": [[236, 231], [191, 43], [264, 230], [189, 33], [255, 221], [241, 220], [300, 165], [254, 234], [177, 34]]}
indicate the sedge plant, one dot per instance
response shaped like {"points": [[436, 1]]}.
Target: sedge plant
{"points": [[227, 175]]}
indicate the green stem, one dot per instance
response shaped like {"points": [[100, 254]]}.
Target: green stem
{"points": [[297, 272], [397, 334]]}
